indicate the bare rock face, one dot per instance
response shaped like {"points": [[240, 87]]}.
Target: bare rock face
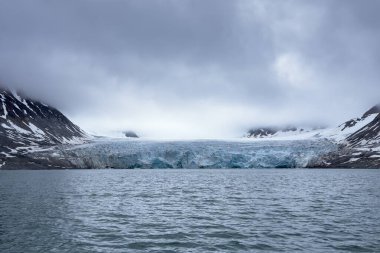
{"points": [[130, 134]]}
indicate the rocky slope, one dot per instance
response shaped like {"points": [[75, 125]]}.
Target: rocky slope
{"points": [[37, 136], [369, 135], [360, 145], [358, 140], [27, 126]]}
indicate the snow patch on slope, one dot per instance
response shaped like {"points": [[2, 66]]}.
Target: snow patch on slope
{"points": [[17, 128], [340, 133], [4, 107]]}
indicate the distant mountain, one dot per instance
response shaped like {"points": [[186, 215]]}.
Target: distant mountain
{"points": [[34, 135], [358, 140], [270, 132], [27, 125]]}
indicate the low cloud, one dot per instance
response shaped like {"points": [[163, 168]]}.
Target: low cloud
{"points": [[193, 68]]}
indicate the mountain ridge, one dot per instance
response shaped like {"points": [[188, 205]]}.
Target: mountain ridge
{"points": [[27, 125], [358, 140], [360, 148], [37, 136]]}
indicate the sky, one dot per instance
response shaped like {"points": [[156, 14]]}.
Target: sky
{"points": [[193, 68]]}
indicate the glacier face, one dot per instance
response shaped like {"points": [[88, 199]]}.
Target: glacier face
{"points": [[196, 154]]}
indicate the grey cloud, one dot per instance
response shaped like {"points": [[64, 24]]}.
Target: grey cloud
{"points": [[193, 65]]}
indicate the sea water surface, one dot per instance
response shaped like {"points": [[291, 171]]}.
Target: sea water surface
{"points": [[267, 210]]}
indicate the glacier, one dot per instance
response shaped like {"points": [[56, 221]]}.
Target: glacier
{"points": [[149, 154]]}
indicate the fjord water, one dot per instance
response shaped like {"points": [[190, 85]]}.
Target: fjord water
{"points": [[267, 210]]}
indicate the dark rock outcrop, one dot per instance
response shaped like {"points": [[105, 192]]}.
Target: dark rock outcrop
{"points": [[264, 132], [130, 134], [373, 110]]}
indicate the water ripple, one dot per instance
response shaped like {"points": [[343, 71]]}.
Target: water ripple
{"points": [[190, 211]]}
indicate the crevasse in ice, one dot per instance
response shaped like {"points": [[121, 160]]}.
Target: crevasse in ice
{"points": [[199, 154]]}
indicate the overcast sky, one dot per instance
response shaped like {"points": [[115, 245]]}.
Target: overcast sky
{"points": [[193, 68]]}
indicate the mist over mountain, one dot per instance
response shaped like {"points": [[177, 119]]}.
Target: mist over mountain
{"points": [[34, 135], [193, 69]]}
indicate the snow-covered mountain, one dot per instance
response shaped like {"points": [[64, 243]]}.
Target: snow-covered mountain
{"points": [[369, 135], [354, 132], [359, 141], [344, 133], [34, 135], [27, 125]]}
